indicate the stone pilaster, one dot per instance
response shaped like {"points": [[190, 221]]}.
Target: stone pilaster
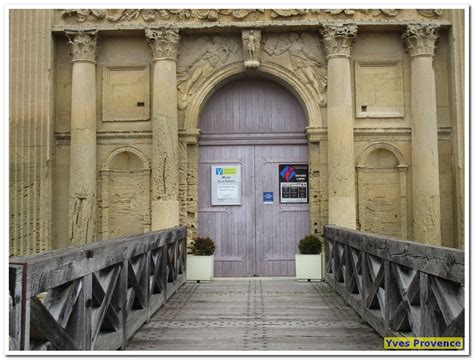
{"points": [[341, 166], [420, 42], [163, 43], [82, 183], [191, 138]]}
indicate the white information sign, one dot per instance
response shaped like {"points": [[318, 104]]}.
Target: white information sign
{"points": [[225, 185]]}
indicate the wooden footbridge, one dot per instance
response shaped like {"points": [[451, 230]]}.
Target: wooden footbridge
{"points": [[131, 294]]}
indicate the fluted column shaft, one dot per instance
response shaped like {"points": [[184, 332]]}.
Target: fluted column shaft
{"points": [[341, 167], [163, 43], [82, 183], [420, 42]]}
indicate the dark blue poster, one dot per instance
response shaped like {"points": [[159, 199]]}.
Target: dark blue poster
{"points": [[293, 179]]}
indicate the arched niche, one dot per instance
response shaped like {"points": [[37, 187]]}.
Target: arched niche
{"points": [[381, 190], [125, 194]]}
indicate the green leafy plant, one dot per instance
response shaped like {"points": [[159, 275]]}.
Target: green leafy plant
{"points": [[202, 246], [310, 245]]}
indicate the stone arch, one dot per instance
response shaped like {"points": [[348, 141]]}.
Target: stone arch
{"points": [[381, 145], [125, 194], [109, 160], [382, 190], [273, 71]]}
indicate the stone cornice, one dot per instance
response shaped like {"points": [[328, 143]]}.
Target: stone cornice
{"points": [[420, 39], [338, 39], [163, 43], [83, 44]]}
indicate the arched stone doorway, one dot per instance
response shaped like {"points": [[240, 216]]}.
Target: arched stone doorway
{"points": [[257, 125]]}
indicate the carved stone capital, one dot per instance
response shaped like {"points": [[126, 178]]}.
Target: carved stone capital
{"points": [[420, 39], [163, 43], [338, 39], [84, 44], [251, 45]]}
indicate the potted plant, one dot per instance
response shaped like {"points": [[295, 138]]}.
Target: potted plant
{"points": [[308, 261], [200, 260]]}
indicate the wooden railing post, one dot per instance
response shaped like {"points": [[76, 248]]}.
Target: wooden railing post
{"points": [[123, 290]]}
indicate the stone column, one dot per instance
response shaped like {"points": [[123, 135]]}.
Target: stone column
{"points": [[341, 166], [82, 183], [420, 42], [163, 43]]}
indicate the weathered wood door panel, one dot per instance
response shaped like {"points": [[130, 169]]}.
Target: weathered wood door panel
{"points": [[259, 124], [278, 226], [231, 227]]}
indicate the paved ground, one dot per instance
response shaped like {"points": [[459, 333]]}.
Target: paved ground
{"points": [[256, 314]]}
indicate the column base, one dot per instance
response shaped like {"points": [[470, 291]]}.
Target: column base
{"points": [[164, 214], [342, 212]]}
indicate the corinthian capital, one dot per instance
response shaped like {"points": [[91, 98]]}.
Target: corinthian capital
{"points": [[163, 43], [83, 43], [420, 39], [338, 39]]}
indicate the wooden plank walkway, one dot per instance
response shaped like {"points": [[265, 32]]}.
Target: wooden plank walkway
{"points": [[255, 314]]}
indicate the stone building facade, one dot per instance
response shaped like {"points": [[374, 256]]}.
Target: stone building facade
{"points": [[106, 107]]}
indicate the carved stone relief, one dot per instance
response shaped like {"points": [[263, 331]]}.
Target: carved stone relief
{"points": [[213, 15], [301, 53], [420, 39], [199, 57], [338, 39], [163, 43], [251, 44], [83, 45]]}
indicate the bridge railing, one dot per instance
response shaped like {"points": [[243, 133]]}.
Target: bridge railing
{"points": [[94, 296], [400, 288]]}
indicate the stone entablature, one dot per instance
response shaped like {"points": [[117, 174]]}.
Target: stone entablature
{"points": [[232, 15]]}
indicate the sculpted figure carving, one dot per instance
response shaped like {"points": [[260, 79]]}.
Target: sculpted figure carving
{"points": [[216, 52], [304, 62], [251, 43]]}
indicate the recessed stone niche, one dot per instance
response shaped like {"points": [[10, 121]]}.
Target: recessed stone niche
{"points": [[379, 89], [126, 93]]}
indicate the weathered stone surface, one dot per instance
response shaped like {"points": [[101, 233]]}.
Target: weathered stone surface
{"points": [[211, 52]]}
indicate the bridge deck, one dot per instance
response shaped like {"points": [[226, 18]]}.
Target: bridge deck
{"points": [[256, 314]]}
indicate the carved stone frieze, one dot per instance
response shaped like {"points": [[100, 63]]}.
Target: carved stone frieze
{"points": [[163, 43], [373, 12], [251, 45], [420, 39], [199, 57], [431, 12], [83, 44], [301, 53], [215, 15], [338, 39]]}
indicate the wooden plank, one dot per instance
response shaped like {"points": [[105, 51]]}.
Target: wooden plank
{"points": [[15, 279], [252, 314], [440, 261], [98, 317], [43, 326], [52, 269]]}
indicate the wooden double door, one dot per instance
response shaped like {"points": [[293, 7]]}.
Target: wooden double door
{"points": [[253, 238]]}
